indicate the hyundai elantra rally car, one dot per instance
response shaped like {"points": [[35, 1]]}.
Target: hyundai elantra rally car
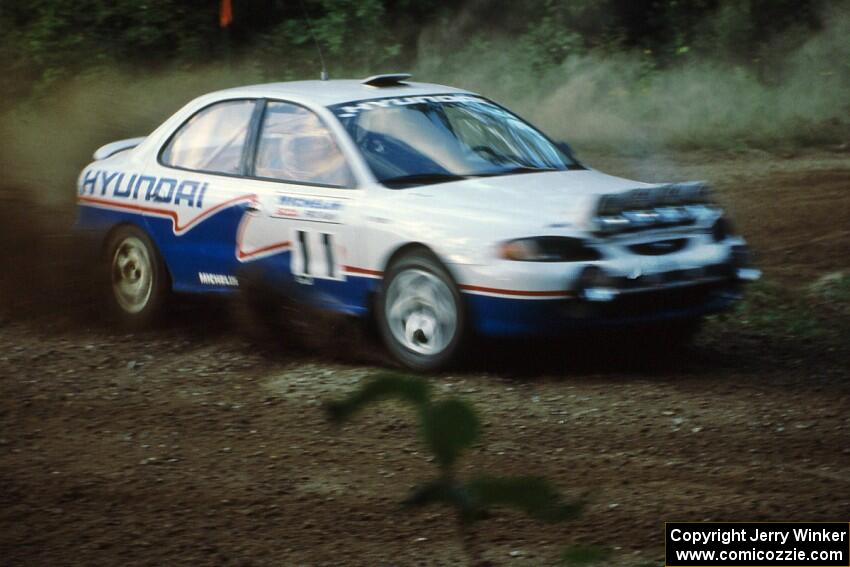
{"points": [[433, 210]]}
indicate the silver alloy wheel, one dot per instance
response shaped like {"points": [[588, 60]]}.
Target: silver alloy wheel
{"points": [[132, 275], [421, 312]]}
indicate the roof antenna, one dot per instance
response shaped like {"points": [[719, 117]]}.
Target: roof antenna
{"points": [[324, 75]]}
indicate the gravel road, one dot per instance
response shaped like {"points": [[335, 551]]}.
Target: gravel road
{"points": [[190, 444]]}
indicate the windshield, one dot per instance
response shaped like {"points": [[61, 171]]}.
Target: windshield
{"points": [[437, 138]]}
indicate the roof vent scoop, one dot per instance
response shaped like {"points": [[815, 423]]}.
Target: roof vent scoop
{"points": [[388, 80]]}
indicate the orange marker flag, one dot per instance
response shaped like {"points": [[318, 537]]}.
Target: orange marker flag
{"points": [[225, 14]]}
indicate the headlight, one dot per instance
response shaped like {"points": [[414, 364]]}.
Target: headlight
{"points": [[548, 249]]}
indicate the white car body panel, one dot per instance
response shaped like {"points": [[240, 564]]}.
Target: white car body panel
{"points": [[220, 224]]}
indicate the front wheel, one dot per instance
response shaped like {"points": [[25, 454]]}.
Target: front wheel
{"points": [[137, 277], [421, 317]]}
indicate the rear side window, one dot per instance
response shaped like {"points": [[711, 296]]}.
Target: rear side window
{"points": [[295, 146], [213, 139]]}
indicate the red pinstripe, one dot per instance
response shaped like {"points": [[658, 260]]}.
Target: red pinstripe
{"points": [[165, 212], [515, 292], [364, 271]]}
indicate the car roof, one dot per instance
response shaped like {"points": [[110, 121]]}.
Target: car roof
{"points": [[338, 91]]}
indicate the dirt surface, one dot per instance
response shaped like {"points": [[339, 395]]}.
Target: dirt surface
{"points": [[190, 445]]}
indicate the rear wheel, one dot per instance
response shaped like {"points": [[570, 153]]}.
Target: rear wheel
{"points": [[137, 277], [421, 317]]}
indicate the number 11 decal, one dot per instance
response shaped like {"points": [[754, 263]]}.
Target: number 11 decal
{"points": [[313, 256]]}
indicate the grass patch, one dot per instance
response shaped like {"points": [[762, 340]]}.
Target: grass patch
{"points": [[585, 555], [814, 313]]}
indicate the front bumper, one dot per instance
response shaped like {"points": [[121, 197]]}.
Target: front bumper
{"points": [[622, 302], [623, 289], [498, 316], [607, 289]]}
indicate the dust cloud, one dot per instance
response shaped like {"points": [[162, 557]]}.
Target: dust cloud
{"points": [[798, 94], [50, 139]]}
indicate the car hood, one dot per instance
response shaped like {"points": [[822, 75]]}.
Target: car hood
{"points": [[558, 198]]}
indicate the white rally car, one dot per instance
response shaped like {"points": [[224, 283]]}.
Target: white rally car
{"points": [[432, 209]]}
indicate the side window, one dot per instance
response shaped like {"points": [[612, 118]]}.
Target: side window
{"points": [[213, 139], [295, 146]]}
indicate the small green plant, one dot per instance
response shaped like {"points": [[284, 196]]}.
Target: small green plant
{"points": [[584, 554], [448, 427]]}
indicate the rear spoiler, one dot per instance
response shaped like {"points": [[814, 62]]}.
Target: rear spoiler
{"points": [[113, 148]]}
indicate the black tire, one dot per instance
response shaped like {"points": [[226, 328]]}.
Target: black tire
{"points": [[144, 262], [421, 263]]}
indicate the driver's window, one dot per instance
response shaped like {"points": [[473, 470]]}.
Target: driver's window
{"points": [[213, 139], [295, 146]]}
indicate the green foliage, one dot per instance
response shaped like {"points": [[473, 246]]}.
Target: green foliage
{"points": [[550, 39], [474, 500], [773, 309], [833, 289], [383, 386], [817, 313], [439, 491], [532, 495], [585, 555], [44, 41], [448, 427], [352, 34], [606, 74]]}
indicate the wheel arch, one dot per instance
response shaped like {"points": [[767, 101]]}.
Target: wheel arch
{"points": [[107, 239], [393, 256], [408, 248]]}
